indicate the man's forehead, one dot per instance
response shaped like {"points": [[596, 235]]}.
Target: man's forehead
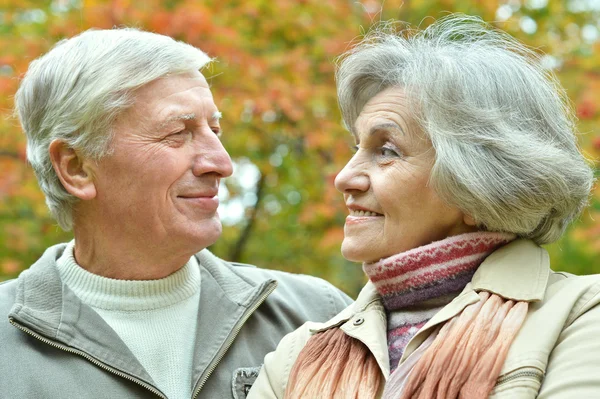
{"points": [[173, 82]]}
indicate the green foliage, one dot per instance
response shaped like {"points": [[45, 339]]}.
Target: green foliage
{"points": [[273, 81]]}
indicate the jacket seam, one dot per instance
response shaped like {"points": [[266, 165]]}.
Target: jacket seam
{"points": [[238, 264], [291, 359], [62, 312], [576, 313], [331, 301]]}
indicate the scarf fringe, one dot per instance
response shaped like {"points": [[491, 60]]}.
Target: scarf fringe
{"points": [[465, 359]]}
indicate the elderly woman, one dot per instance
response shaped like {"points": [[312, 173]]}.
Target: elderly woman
{"points": [[466, 162]]}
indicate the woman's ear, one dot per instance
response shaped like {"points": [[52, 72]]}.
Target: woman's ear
{"points": [[469, 221], [72, 170]]}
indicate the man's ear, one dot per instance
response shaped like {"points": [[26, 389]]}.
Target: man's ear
{"points": [[72, 170]]}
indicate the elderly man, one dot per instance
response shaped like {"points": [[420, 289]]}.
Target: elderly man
{"points": [[123, 135]]}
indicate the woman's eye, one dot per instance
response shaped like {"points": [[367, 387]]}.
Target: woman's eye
{"points": [[388, 152]]}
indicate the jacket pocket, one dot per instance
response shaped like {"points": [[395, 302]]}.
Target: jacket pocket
{"points": [[243, 379], [520, 383]]}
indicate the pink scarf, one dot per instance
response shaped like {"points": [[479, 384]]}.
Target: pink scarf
{"points": [[465, 357]]}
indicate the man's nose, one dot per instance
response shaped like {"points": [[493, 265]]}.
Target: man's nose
{"points": [[212, 157]]}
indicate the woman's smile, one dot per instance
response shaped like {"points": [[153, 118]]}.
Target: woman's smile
{"points": [[359, 215]]}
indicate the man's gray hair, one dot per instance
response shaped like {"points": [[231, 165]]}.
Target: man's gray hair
{"points": [[501, 125], [74, 93]]}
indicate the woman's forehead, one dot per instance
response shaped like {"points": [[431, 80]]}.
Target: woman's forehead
{"points": [[388, 109]]}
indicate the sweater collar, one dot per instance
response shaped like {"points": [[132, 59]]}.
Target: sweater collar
{"points": [[440, 269], [127, 295]]}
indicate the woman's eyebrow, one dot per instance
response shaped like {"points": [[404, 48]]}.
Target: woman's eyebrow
{"points": [[385, 126]]}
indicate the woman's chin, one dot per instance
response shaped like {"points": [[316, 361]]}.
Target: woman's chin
{"points": [[354, 253]]}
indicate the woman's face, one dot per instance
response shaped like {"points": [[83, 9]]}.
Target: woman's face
{"points": [[385, 185]]}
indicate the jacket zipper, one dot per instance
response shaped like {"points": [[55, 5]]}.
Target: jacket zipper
{"points": [[232, 337], [87, 357], [531, 372]]}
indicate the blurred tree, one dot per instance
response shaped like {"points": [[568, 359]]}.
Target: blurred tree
{"points": [[273, 81]]}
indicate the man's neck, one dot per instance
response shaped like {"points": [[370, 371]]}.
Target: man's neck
{"points": [[127, 258]]}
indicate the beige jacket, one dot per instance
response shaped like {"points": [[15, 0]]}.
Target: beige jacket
{"points": [[555, 355]]}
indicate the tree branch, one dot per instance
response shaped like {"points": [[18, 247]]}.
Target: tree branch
{"points": [[9, 154], [238, 248]]}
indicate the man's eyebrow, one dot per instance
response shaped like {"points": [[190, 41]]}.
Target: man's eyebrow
{"points": [[386, 126], [182, 117], [216, 115]]}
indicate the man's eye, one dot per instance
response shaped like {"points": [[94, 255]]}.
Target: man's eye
{"points": [[178, 138], [217, 131]]}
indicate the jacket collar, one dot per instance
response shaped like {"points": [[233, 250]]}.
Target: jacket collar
{"points": [[518, 271], [47, 307]]}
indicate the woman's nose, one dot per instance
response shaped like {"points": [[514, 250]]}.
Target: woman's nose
{"points": [[353, 177]]}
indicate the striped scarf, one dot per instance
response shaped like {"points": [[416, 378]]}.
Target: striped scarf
{"points": [[416, 284]]}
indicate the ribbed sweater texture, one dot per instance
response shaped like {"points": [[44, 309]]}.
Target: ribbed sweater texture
{"points": [[156, 319], [416, 284]]}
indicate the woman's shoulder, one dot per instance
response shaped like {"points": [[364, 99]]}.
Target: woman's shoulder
{"points": [[580, 293], [563, 283], [558, 340], [273, 377], [274, 374], [291, 345]]}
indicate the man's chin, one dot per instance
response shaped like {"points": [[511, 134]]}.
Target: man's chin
{"points": [[206, 233]]}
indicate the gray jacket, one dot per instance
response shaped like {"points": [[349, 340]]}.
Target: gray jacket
{"points": [[54, 346]]}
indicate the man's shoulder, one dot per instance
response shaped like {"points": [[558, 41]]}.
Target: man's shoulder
{"points": [[302, 281], [315, 296], [317, 299], [8, 290]]}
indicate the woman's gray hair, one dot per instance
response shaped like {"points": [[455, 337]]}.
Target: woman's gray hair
{"points": [[501, 126], [74, 93]]}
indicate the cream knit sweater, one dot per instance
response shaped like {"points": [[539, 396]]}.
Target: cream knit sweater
{"points": [[155, 318]]}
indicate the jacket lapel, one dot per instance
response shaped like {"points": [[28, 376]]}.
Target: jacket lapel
{"points": [[226, 300]]}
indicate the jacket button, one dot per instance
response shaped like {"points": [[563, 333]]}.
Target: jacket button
{"points": [[358, 321]]}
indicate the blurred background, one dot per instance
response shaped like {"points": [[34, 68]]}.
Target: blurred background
{"points": [[273, 81]]}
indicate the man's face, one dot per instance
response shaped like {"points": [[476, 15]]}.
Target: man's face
{"points": [[160, 184]]}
